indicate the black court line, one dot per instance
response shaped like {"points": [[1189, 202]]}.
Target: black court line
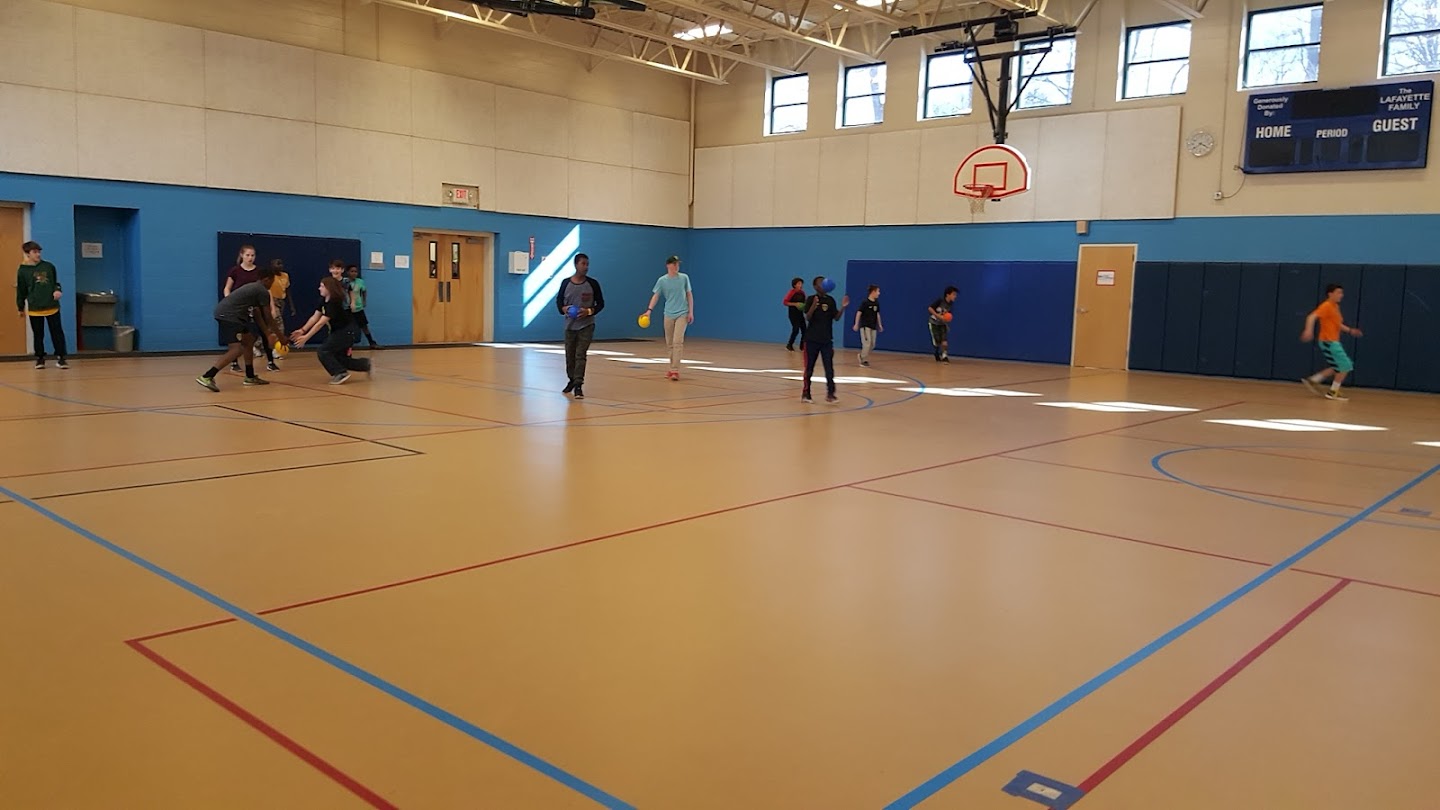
{"points": [[318, 429], [405, 454]]}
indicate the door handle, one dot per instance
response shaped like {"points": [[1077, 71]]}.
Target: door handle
{"points": [[448, 293], [439, 292]]}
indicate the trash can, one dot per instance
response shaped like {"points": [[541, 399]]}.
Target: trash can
{"points": [[97, 308], [124, 338]]}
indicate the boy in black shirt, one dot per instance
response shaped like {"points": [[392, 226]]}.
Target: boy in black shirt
{"points": [[821, 313], [867, 322], [940, 315]]}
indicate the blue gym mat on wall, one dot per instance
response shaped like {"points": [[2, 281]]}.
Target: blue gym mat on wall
{"points": [[1244, 320], [1005, 310]]}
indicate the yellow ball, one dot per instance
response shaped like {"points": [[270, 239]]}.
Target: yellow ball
{"points": [[644, 321]]}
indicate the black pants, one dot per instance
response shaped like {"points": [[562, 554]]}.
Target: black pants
{"points": [[333, 352], [57, 334], [577, 343], [797, 327], [825, 352]]}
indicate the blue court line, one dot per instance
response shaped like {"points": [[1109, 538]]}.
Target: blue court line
{"points": [[1155, 463], [454, 721], [939, 781]]}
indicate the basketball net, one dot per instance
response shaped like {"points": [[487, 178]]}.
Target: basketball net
{"points": [[983, 193]]}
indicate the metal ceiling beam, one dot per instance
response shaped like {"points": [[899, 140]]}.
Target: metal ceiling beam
{"points": [[534, 36], [741, 18], [691, 45], [1182, 9]]}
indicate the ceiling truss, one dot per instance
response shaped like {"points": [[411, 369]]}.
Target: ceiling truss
{"points": [[706, 40]]}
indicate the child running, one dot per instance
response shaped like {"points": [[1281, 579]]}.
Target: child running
{"points": [[821, 313], [1332, 323], [794, 302], [242, 314], [940, 315], [867, 322]]}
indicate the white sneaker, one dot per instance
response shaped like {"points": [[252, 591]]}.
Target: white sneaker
{"points": [[340, 378]]}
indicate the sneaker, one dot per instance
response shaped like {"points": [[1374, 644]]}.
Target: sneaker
{"points": [[235, 365], [569, 386], [1313, 386], [255, 381], [805, 398], [789, 348], [271, 367], [672, 375], [39, 363], [865, 363], [944, 358], [61, 363], [831, 399], [340, 378], [579, 392], [208, 382], [1337, 396]]}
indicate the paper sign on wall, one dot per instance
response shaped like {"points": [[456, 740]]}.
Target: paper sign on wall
{"points": [[1105, 278], [92, 250], [377, 259], [402, 262]]}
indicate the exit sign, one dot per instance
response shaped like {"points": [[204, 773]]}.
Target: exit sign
{"points": [[460, 196]]}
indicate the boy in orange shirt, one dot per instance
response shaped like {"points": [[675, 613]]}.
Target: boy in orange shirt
{"points": [[1331, 325]]}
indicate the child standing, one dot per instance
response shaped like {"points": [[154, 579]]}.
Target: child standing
{"points": [[679, 310], [867, 322], [941, 311], [794, 302], [37, 287], [246, 272], [357, 302], [1332, 323], [821, 313]]}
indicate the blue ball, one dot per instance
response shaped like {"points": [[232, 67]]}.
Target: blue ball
{"points": [[574, 311], [828, 285]]}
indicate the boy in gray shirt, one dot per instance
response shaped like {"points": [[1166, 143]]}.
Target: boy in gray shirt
{"points": [[236, 312], [580, 300]]}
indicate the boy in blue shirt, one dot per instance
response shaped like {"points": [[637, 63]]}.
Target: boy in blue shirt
{"points": [[679, 310]]}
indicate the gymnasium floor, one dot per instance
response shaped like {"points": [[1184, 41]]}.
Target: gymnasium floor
{"points": [[450, 586]]}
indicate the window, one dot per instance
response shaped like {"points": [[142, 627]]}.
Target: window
{"points": [[1412, 37], [1157, 60], [789, 104], [863, 95], [1282, 46], [1046, 79], [948, 83]]}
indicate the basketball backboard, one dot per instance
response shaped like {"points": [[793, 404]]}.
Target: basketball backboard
{"points": [[993, 172]]}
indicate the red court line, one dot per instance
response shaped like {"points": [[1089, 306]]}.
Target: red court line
{"points": [[1310, 571], [1118, 761], [672, 522], [1097, 533], [1159, 479], [346, 781]]}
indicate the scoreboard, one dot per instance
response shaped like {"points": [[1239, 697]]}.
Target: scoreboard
{"points": [[1378, 126]]}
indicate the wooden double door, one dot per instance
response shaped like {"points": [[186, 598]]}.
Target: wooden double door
{"points": [[449, 273], [12, 236]]}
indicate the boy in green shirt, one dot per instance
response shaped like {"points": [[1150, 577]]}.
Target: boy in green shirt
{"points": [[37, 287]]}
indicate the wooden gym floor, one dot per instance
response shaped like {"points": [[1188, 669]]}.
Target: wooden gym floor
{"points": [[450, 586]]}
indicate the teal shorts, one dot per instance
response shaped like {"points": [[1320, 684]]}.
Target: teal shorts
{"points": [[1335, 355]]}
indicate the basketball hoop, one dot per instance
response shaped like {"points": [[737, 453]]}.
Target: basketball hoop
{"points": [[979, 194]]}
